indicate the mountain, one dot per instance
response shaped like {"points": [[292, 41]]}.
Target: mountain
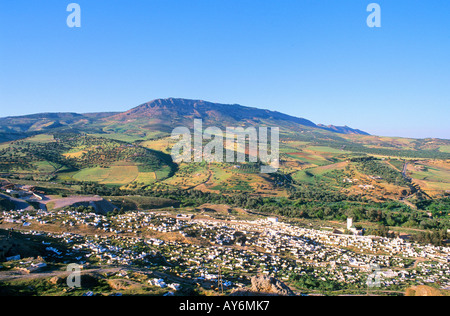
{"points": [[160, 115], [175, 112], [172, 112], [37, 122], [176, 108], [42, 122], [19, 127]]}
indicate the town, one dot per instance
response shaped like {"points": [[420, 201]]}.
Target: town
{"points": [[186, 249]]}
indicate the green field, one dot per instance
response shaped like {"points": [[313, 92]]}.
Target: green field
{"points": [[309, 158], [146, 178], [432, 174], [41, 138], [120, 137], [219, 174], [46, 167], [121, 175], [292, 146], [309, 175], [96, 174], [326, 149], [436, 186], [163, 173], [445, 149], [397, 164], [234, 183], [118, 175]]}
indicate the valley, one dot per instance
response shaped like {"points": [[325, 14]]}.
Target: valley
{"points": [[65, 176]]}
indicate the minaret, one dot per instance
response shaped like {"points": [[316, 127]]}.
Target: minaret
{"points": [[349, 223]]}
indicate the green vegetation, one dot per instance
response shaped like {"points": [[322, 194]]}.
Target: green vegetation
{"points": [[308, 281], [397, 163], [309, 201], [435, 237], [439, 207], [376, 168], [96, 159], [312, 182], [445, 148], [324, 178], [233, 184], [383, 151], [92, 174], [44, 287], [432, 174]]}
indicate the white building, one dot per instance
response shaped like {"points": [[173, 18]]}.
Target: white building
{"points": [[349, 223], [273, 220]]}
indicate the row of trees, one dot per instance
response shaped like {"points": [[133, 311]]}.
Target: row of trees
{"points": [[435, 237]]}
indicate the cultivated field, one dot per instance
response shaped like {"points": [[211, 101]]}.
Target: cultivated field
{"points": [[118, 175]]}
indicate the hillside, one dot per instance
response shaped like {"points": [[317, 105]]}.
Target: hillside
{"points": [[343, 129], [75, 156], [131, 150]]}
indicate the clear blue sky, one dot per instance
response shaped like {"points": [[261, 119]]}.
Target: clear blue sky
{"points": [[315, 59]]}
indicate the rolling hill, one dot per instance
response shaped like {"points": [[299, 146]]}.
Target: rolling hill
{"points": [[132, 150]]}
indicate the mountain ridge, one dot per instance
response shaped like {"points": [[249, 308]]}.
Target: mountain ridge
{"points": [[166, 114], [231, 113]]}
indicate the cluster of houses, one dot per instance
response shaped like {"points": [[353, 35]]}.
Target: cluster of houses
{"points": [[24, 217], [240, 249]]}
